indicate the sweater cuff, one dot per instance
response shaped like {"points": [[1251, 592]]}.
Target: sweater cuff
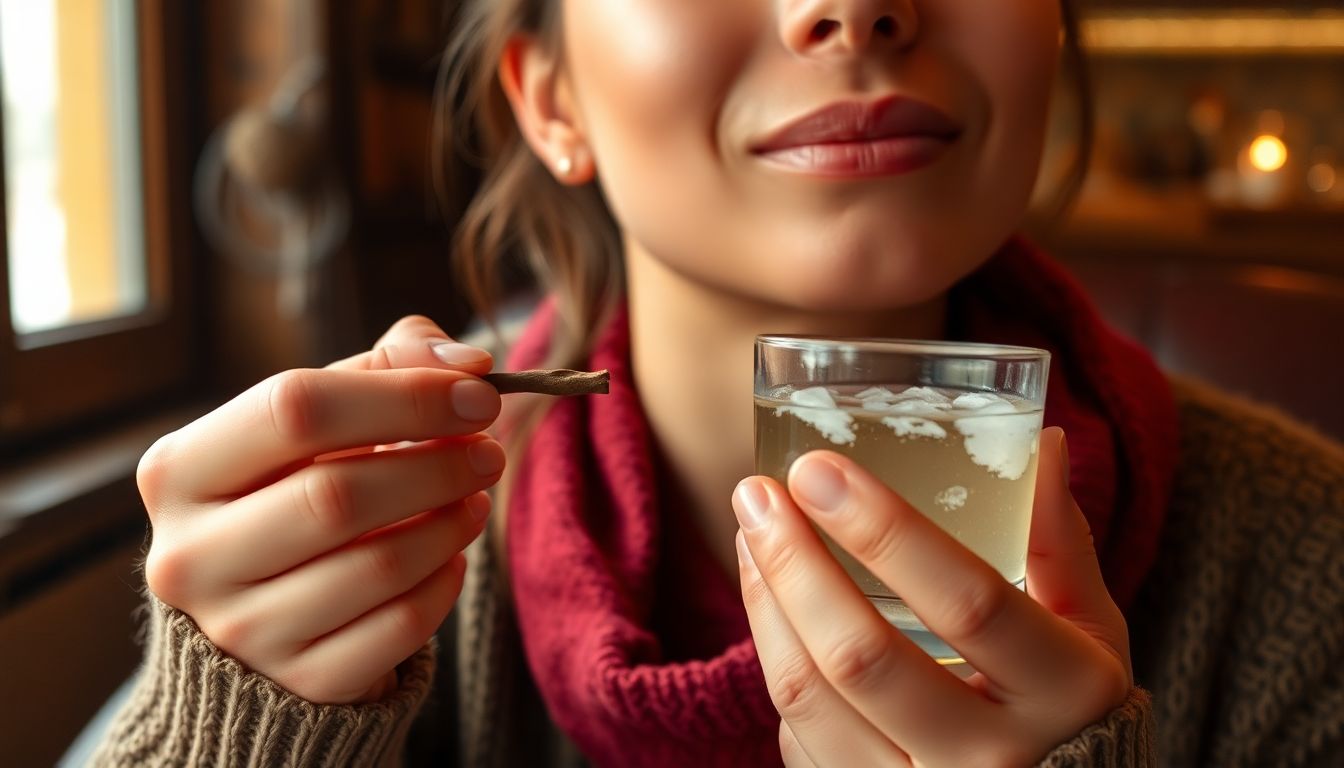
{"points": [[194, 705], [1126, 738]]}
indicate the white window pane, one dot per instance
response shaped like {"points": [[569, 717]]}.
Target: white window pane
{"points": [[72, 161]]}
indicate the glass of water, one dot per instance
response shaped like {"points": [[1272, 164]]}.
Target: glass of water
{"points": [[953, 428]]}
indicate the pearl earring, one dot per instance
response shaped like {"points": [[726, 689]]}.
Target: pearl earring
{"points": [[565, 165]]}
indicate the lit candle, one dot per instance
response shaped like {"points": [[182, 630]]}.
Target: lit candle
{"points": [[1261, 165]]}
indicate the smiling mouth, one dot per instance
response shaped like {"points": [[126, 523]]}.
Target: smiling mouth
{"points": [[891, 136], [873, 157]]}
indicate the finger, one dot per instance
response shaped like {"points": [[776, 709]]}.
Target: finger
{"points": [[366, 648], [827, 727], [288, 419], [1063, 573], [315, 599], [418, 342], [331, 503], [790, 750], [834, 733], [1026, 650], [882, 675]]}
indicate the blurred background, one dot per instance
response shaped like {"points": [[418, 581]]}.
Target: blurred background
{"points": [[199, 194]]}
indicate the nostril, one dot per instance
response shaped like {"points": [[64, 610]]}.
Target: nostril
{"points": [[885, 26], [823, 30]]}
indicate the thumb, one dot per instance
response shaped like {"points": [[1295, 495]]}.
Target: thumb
{"points": [[418, 342], [1062, 569]]}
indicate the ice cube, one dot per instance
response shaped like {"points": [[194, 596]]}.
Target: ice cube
{"points": [[952, 498], [983, 404], [916, 408], [813, 397], [816, 406], [913, 426], [1000, 443], [876, 394], [926, 394]]}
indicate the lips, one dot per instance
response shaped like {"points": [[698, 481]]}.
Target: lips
{"points": [[888, 136]]}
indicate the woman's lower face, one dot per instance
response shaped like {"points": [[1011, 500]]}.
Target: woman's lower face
{"points": [[678, 103]]}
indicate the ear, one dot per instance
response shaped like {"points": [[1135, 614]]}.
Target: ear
{"points": [[544, 107]]}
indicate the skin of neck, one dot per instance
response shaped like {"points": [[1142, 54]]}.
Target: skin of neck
{"points": [[692, 357]]}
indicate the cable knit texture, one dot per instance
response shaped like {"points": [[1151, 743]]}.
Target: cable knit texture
{"points": [[1124, 738], [1239, 631], [195, 706]]}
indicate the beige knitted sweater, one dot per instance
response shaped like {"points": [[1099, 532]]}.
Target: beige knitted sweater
{"points": [[1238, 635]]}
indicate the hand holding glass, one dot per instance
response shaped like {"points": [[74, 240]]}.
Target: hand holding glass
{"points": [[953, 428]]}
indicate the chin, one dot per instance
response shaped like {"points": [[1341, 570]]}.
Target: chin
{"points": [[830, 295], [868, 279]]}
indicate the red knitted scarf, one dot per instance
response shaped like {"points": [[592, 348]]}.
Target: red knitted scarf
{"points": [[638, 642]]}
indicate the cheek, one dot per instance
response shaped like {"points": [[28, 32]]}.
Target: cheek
{"points": [[1013, 55], [649, 79]]}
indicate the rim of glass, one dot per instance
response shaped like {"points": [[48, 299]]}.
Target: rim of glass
{"points": [[947, 349]]}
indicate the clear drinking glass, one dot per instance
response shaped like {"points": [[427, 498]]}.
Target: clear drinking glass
{"points": [[953, 428]]}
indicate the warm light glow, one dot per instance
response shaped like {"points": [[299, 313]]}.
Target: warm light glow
{"points": [[1321, 178], [1214, 32], [1268, 153]]}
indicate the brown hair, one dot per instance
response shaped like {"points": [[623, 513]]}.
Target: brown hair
{"points": [[567, 235]]}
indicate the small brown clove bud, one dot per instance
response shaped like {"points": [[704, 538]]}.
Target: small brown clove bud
{"points": [[561, 383]]}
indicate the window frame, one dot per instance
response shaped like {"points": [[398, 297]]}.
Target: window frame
{"points": [[55, 379]]}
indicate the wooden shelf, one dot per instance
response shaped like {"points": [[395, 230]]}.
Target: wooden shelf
{"points": [[1160, 226], [1185, 33]]}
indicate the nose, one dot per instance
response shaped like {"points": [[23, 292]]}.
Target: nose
{"points": [[847, 27]]}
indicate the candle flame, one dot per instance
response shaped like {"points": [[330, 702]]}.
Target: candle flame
{"points": [[1268, 153]]}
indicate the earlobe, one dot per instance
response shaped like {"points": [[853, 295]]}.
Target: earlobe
{"points": [[530, 78]]}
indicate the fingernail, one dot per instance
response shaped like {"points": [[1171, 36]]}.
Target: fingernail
{"points": [[457, 353], [486, 457], [478, 506], [474, 400], [744, 552], [819, 484], [752, 504]]}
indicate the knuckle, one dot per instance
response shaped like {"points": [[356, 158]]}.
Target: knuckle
{"points": [[304, 680], [424, 408], [152, 471], [795, 688], [412, 621], [168, 572], [856, 661], [382, 564], [1106, 686], [755, 592], [876, 538], [425, 395], [410, 327], [327, 498], [230, 633], [414, 322], [974, 608], [380, 358], [778, 556], [291, 403]]}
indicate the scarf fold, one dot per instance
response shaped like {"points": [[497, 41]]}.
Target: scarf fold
{"points": [[607, 584]]}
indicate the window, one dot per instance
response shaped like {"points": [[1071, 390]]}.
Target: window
{"points": [[72, 152], [94, 310]]}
